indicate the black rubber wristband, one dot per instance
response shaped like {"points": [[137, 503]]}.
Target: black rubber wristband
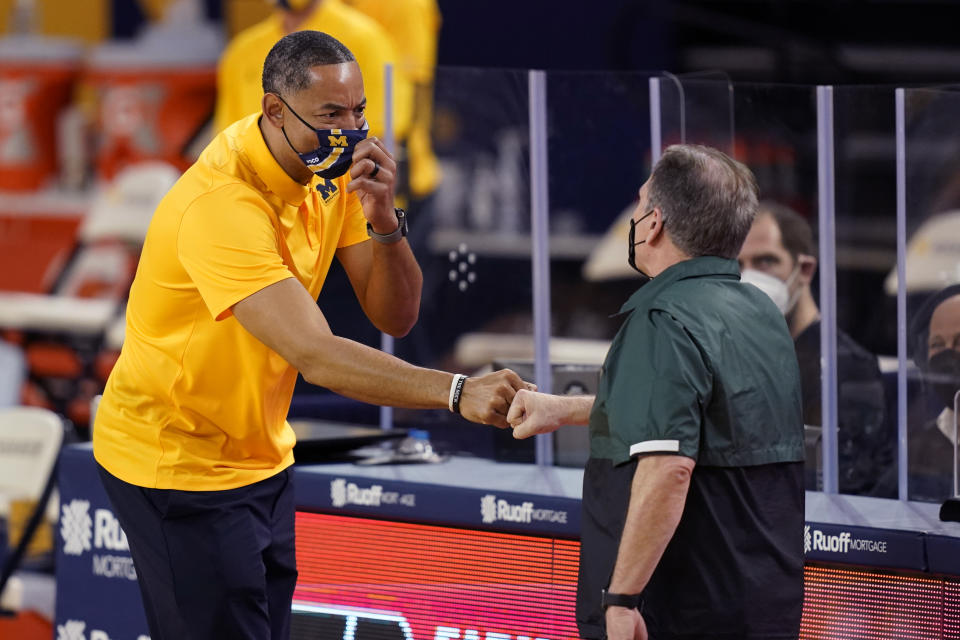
{"points": [[457, 392]]}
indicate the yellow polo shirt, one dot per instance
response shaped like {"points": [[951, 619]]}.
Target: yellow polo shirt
{"points": [[239, 74], [195, 402]]}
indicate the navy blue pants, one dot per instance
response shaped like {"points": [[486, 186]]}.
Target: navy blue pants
{"points": [[212, 564]]}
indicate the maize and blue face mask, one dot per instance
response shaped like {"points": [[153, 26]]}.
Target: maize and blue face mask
{"points": [[334, 154]]}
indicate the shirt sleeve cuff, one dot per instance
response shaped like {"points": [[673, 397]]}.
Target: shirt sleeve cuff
{"points": [[655, 446], [223, 307]]}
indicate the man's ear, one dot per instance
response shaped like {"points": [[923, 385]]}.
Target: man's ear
{"points": [[272, 109], [808, 268], [652, 228]]}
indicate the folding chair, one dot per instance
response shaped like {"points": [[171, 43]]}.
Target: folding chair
{"points": [[63, 330], [30, 441]]}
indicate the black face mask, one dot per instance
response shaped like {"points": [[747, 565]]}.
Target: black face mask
{"points": [[632, 244], [943, 375]]}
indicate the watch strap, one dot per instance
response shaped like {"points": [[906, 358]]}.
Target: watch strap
{"points": [[630, 601], [394, 236]]}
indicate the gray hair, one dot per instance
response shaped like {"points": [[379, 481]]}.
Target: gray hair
{"points": [[707, 199]]}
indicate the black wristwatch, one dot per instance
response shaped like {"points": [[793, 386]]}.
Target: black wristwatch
{"points": [[607, 599], [394, 236]]}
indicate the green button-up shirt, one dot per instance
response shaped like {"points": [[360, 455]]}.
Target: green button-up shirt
{"points": [[703, 366]]}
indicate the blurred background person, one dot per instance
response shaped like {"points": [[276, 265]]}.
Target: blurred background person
{"points": [[778, 256], [935, 342], [414, 27]]}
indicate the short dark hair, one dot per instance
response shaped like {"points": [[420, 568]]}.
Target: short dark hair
{"points": [[708, 200], [286, 69], [795, 232]]}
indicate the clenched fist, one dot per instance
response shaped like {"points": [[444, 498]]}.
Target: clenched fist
{"points": [[535, 413], [486, 399]]}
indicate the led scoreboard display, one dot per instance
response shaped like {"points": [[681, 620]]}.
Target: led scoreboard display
{"points": [[369, 579], [383, 580]]}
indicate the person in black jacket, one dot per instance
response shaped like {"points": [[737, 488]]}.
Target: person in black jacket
{"points": [[778, 256]]}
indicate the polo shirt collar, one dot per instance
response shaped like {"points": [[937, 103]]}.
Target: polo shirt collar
{"points": [[269, 170], [701, 267]]}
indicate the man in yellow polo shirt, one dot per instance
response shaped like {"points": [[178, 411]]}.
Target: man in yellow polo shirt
{"points": [[191, 435]]}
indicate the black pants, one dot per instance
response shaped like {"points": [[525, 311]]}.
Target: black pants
{"points": [[212, 564]]}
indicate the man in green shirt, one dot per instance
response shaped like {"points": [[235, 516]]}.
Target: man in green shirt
{"points": [[693, 503]]}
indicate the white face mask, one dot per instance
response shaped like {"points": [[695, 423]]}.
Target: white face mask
{"points": [[774, 287]]}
